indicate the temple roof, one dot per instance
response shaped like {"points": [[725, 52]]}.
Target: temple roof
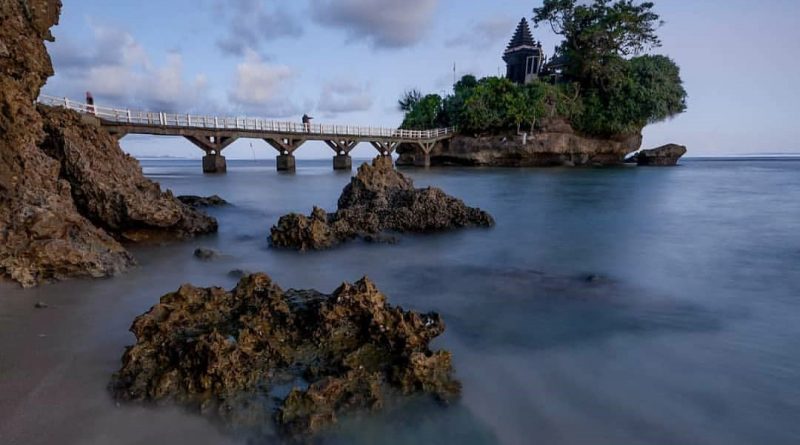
{"points": [[522, 37]]}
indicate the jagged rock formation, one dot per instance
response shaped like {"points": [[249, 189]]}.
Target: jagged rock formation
{"points": [[378, 199], [45, 232], [229, 353], [664, 156], [108, 185], [555, 143], [42, 235]]}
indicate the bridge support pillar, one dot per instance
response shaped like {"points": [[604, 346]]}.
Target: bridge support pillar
{"points": [[342, 162], [214, 163], [422, 160], [423, 157], [286, 163], [286, 147], [342, 148]]}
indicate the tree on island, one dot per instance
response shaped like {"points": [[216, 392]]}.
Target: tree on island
{"points": [[608, 87], [620, 95], [597, 36]]}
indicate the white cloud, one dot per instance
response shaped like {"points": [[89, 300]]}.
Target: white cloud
{"points": [[108, 46], [262, 88], [485, 34], [345, 96], [251, 23], [385, 23], [119, 72]]}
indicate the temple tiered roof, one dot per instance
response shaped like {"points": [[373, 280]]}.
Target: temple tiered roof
{"points": [[522, 37]]}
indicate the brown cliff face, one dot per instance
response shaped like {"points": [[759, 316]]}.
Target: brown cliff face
{"points": [[228, 353], [555, 144], [44, 234], [108, 185]]}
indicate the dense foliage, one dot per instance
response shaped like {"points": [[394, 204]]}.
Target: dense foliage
{"points": [[648, 89], [489, 105], [607, 87], [599, 34]]}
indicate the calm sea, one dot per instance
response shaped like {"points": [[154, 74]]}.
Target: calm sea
{"points": [[608, 306]]}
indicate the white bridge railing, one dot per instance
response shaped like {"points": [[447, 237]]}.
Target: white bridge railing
{"points": [[156, 119]]}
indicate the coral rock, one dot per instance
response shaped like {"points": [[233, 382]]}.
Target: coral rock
{"points": [[226, 352], [378, 199]]}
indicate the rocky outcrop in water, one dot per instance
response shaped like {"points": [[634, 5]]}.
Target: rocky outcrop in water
{"points": [[555, 143], [51, 225], [108, 186], [664, 156], [202, 201], [235, 354], [378, 199]]}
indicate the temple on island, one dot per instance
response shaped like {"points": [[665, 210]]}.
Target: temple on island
{"points": [[525, 58]]}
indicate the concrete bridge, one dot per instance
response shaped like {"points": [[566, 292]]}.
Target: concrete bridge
{"points": [[213, 134]]}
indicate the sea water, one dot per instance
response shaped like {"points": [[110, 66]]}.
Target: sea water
{"points": [[608, 306]]}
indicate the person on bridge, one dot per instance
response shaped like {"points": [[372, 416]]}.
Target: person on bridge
{"points": [[89, 102], [307, 122]]}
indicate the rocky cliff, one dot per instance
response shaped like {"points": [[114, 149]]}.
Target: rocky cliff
{"points": [[554, 144], [108, 186], [45, 232]]}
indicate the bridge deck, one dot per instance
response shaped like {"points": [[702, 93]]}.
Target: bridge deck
{"points": [[164, 124], [213, 134]]}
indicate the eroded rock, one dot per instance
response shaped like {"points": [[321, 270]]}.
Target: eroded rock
{"points": [[378, 199], [202, 201], [229, 353], [108, 185], [42, 235], [664, 156], [68, 194], [554, 143]]}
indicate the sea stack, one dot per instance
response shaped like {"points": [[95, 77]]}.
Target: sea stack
{"points": [[228, 353], [379, 199]]}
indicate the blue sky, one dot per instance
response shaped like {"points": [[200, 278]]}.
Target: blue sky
{"points": [[347, 61]]}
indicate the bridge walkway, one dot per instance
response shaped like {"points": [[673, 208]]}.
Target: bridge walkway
{"points": [[213, 134]]}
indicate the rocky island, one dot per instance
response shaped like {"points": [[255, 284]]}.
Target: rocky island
{"points": [[554, 143], [69, 196], [378, 200], [586, 105], [228, 354]]}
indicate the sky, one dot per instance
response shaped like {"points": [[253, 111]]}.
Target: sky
{"points": [[348, 61]]}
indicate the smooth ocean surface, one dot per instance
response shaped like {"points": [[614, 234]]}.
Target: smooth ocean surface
{"points": [[687, 333]]}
